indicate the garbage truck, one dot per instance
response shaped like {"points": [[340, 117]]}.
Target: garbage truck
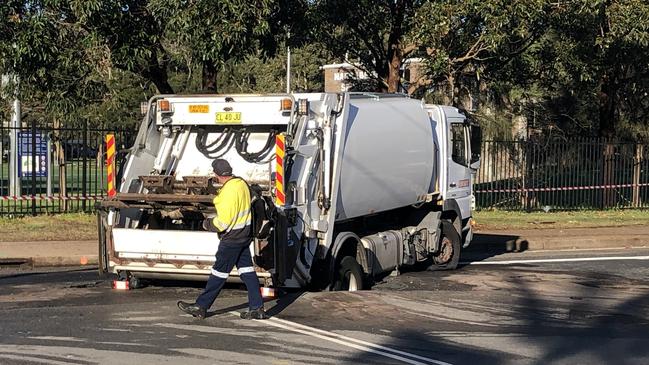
{"points": [[347, 188]]}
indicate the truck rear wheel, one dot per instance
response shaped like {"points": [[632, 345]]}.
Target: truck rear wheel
{"points": [[133, 281], [349, 275], [448, 256]]}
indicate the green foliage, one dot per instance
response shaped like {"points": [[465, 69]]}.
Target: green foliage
{"points": [[56, 74], [373, 33], [465, 41], [257, 74], [591, 64], [214, 30], [578, 67]]}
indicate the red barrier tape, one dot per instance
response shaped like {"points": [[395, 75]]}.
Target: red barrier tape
{"points": [[569, 188], [52, 197]]}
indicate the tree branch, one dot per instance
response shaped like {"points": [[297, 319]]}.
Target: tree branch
{"points": [[476, 48], [409, 48], [420, 83]]}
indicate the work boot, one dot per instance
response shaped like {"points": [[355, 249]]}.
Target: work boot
{"points": [[193, 309], [259, 313]]}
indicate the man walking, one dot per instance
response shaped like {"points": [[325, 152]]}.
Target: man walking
{"points": [[233, 222]]}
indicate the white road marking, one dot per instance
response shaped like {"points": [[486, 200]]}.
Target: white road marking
{"points": [[34, 359], [402, 356], [57, 338], [632, 248], [539, 261]]}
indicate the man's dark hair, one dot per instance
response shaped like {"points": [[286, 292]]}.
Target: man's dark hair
{"points": [[221, 167]]}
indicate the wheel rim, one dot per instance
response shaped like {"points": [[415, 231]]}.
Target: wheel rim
{"points": [[349, 282], [445, 252], [352, 286]]}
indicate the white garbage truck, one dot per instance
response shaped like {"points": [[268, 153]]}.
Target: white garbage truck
{"points": [[347, 187]]}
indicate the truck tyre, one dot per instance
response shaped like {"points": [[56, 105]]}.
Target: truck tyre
{"points": [[133, 281], [448, 256], [136, 283], [349, 276]]}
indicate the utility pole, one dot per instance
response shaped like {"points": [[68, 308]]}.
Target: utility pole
{"points": [[288, 65]]}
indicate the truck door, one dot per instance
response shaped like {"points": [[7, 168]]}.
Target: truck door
{"points": [[459, 174]]}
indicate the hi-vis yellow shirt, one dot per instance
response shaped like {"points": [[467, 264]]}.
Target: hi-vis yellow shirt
{"points": [[233, 216]]}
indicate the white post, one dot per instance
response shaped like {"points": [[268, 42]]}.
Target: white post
{"points": [[14, 178]]}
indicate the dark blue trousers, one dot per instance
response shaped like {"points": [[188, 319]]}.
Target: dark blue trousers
{"points": [[227, 256]]}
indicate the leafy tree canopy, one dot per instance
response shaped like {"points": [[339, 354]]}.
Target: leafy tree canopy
{"points": [[580, 67]]}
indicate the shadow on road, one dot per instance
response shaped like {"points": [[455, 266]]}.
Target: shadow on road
{"points": [[485, 245], [604, 319], [284, 302], [618, 334], [436, 351], [51, 276], [280, 305], [227, 310]]}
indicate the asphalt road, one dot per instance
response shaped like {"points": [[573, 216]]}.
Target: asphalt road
{"points": [[527, 308]]}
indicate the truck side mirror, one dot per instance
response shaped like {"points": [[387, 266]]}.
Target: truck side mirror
{"points": [[476, 143], [475, 166]]}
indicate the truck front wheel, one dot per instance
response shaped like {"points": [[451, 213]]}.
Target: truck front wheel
{"points": [[448, 256], [349, 275]]}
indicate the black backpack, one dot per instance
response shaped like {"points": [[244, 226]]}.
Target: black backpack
{"points": [[260, 208]]}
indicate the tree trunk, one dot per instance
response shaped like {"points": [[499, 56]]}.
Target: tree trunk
{"points": [[449, 97], [156, 71], [395, 51], [607, 95], [153, 71], [394, 71], [607, 87], [209, 77], [163, 86], [60, 161]]}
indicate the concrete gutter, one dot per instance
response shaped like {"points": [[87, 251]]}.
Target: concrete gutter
{"points": [[48, 253], [560, 239]]}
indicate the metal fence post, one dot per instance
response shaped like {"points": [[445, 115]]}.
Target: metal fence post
{"points": [[60, 157], [49, 165], [527, 173], [84, 166], [33, 160], [608, 169], [637, 163]]}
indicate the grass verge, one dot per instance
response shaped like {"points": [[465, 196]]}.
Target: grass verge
{"points": [[77, 227], [59, 227], [502, 220]]}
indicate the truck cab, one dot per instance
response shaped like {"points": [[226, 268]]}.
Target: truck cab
{"points": [[459, 160]]}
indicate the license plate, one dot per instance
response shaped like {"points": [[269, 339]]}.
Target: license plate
{"points": [[228, 117], [200, 108]]}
